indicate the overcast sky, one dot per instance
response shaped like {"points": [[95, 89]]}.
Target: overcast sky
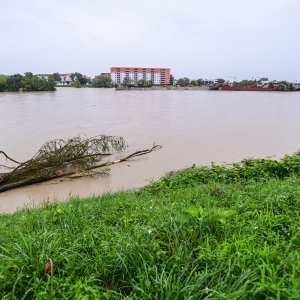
{"points": [[198, 39]]}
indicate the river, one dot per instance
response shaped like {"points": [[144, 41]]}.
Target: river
{"points": [[194, 127]]}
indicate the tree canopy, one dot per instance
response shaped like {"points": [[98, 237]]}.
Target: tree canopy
{"points": [[127, 82], [56, 76], [27, 83], [102, 82], [199, 82], [172, 79], [82, 79], [3, 83], [183, 81], [245, 83], [285, 86]]}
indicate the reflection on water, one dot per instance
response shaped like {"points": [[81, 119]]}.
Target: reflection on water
{"points": [[193, 127]]}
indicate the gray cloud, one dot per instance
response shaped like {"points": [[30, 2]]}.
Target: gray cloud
{"points": [[195, 38]]}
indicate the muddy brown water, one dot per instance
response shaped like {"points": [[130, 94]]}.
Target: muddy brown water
{"points": [[194, 127]]}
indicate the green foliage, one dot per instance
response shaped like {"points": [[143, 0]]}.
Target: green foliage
{"points": [[245, 83], [28, 74], [248, 169], [285, 86], [228, 232], [78, 77], [77, 84], [142, 83], [186, 81], [102, 82], [220, 80], [57, 156], [183, 81], [56, 77], [3, 83], [127, 82], [263, 79], [280, 86], [34, 83], [149, 83], [14, 83], [26, 83], [172, 79], [199, 82]]}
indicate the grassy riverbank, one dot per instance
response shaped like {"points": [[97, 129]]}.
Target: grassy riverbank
{"points": [[208, 233]]}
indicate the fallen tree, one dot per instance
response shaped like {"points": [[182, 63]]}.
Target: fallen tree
{"points": [[60, 158]]}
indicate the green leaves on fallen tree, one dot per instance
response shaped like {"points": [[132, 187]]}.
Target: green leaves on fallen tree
{"points": [[57, 158]]}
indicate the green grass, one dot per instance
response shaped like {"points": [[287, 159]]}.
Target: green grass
{"points": [[229, 232]]}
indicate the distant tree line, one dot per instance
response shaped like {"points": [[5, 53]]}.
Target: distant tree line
{"points": [[278, 85], [75, 79], [185, 81], [249, 83], [106, 82], [27, 83]]}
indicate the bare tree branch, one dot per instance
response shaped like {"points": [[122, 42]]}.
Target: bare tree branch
{"points": [[9, 158]]}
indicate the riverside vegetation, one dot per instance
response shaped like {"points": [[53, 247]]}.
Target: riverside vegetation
{"points": [[219, 232], [26, 83]]}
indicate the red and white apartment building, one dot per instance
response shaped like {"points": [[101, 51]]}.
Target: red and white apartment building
{"points": [[159, 76]]}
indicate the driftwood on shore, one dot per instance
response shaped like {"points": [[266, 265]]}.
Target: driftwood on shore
{"points": [[61, 158]]}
